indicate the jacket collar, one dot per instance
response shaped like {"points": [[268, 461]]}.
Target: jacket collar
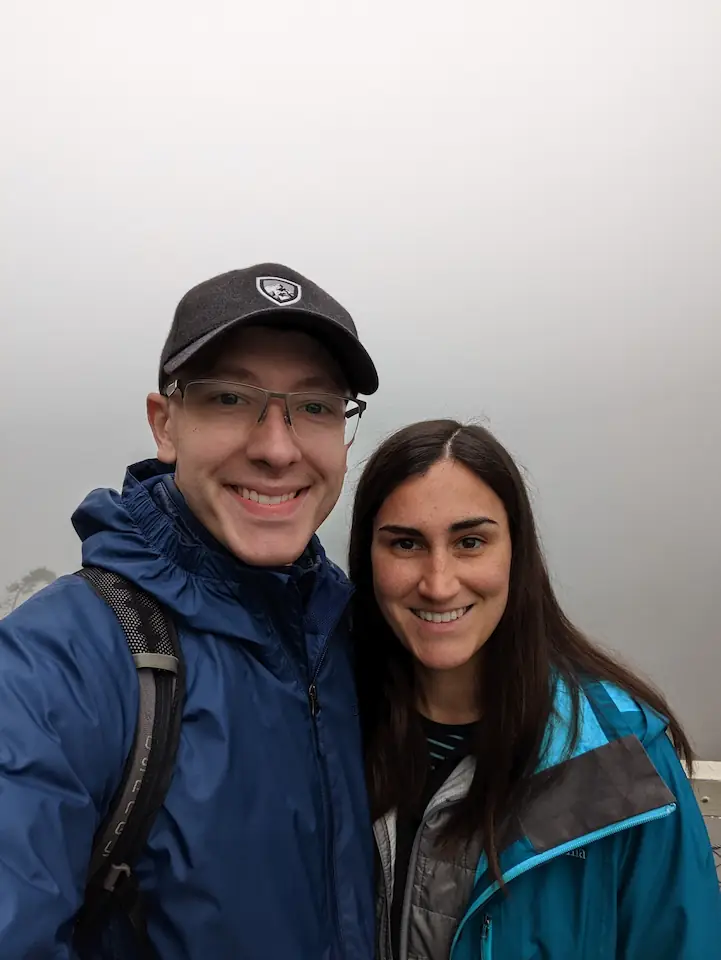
{"points": [[605, 785], [148, 534]]}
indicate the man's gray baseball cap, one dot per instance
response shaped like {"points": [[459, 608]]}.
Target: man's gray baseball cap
{"points": [[272, 295]]}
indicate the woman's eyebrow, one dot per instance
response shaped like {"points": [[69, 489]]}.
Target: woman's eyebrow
{"points": [[400, 531], [456, 527], [471, 523]]}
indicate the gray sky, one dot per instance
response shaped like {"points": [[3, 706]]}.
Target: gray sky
{"points": [[520, 203]]}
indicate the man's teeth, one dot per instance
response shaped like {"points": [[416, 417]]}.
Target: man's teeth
{"points": [[444, 617], [256, 497]]}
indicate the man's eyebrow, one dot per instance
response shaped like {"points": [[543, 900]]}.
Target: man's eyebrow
{"points": [[470, 524], [326, 383], [239, 374], [317, 382]]}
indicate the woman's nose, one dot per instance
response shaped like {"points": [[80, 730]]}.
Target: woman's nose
{"points": [[439, 582]]}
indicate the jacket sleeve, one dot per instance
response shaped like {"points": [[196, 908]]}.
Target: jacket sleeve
{"points": [[669, 902], [65, 727]]}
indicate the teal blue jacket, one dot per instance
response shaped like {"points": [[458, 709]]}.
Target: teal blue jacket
{"points": [[615, 861]]}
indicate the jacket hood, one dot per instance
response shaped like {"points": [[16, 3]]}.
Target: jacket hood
{"points": [[147, 534], [606, 713]]}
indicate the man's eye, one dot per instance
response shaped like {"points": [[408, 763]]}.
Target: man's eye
{"points": [[321, 408], [227, 399]]}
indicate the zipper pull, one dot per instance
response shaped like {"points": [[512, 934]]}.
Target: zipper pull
{"points": [[486, 928], [313, 700]]}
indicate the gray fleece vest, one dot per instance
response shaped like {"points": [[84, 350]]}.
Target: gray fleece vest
{"points": [[438, 886]]}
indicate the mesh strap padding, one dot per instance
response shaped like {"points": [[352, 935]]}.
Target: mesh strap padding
{"points": [[140, 615], [153, 643]]}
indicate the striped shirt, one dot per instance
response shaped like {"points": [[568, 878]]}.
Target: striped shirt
{"points": [[445, 739], [447, 743]]}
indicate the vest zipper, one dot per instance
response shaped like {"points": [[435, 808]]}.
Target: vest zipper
{"points": [[383, 941], [433, 807], [443, 798]]}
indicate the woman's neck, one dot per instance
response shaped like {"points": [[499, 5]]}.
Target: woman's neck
{"points": [[448, 696]]}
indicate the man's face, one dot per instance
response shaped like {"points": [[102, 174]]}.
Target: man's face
{"points": [[225, 472]]}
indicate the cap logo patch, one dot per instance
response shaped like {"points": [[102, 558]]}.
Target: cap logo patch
{"points": [[278, 290]]}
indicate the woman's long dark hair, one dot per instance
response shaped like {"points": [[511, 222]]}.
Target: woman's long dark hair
{"points": [[532, 641]]}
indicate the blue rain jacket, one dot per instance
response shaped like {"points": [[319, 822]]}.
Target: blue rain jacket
{"points": [[614, 862], [263, 849]]}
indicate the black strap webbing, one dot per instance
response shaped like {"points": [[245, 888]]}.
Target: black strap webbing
{"points": [[150, 632]]}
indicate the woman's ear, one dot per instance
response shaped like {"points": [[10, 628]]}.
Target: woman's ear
{"points": [[162, 423]]}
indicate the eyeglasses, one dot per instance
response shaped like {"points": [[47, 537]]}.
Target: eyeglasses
{"points": [[313, 416]]}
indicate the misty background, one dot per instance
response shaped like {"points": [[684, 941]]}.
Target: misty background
{"points": [[520, 203]]}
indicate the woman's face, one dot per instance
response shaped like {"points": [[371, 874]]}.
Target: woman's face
{"points": [[441, 559]]}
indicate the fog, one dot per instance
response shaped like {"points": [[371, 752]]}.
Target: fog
{"points": [[520, 204]]}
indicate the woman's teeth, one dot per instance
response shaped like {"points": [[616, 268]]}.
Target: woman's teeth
{"points": [[444, 617]]}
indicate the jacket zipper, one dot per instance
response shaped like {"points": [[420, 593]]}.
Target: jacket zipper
{"points": [[313, 688], [542, 858], [314, 709], [313, 700], [314, 706], [486, 939]]}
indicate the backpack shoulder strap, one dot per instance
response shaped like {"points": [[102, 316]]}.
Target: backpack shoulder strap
{"points": [[121, 837]]}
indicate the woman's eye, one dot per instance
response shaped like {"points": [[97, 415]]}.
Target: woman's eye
{"points": [[471, 543], [404, 544]]}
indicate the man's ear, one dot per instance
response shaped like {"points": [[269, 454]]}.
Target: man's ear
{"points": [[159, 418]]}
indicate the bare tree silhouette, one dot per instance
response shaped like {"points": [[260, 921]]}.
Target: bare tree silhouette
{"points": [[25, 587]]}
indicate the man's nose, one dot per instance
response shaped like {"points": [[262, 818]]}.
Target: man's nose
{"points": [[271, 440], [439, 581]]}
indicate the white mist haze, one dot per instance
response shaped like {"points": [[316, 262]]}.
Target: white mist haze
{"points": [[519, 203]]}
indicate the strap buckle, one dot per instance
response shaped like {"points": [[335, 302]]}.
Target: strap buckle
{"points": [[114, 874]]}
